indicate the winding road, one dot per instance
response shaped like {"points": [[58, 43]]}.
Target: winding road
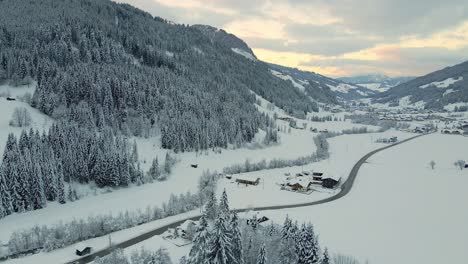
{"points": [[345, 189]]}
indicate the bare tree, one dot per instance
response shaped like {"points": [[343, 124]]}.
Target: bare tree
{"points": [[432, 164], [20, 117], [343, 259], [459, 164]]}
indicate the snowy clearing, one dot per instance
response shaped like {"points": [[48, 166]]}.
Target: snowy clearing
{"points": [[244, 54], [288, 78], [442, 84]]}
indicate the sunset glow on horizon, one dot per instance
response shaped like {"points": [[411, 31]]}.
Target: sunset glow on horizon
{"points": [[336, 38]]}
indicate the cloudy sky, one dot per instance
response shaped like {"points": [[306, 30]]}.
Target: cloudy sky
{"points": [[336, 37]]}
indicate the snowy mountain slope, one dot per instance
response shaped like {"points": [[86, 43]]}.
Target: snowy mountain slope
{"points": [[376, 82], [322, 87], [219, 35], [318, 87], [39, 120], [436, 90]]}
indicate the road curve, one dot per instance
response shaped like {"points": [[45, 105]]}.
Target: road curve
{"points": [[345, 189]]}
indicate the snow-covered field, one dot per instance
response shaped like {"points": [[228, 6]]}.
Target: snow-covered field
{"points": [[442, 84], [399, 210], [39, 121], [345, 151]]}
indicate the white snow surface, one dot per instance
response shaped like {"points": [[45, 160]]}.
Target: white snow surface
{"points": [[40, 121], [67, 254], [286, 77], [244, 53], [342, 87], [399, 210], [442, 84]]}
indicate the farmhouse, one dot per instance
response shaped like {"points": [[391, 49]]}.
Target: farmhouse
{"points": [[248, 181], [300, 185], [330, 182], [317, 176]]}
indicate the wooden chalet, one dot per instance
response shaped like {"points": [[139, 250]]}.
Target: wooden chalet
{"points": [[248, 181], [330, 183], [11, 99], [317, 176], [299, 185]]}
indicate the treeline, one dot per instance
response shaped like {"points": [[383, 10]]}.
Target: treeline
{"points": [[106, 64], [142, 256], [321, 153], [315, 118], [222, 238], [373, 120], [35, 167], [47, 238]]}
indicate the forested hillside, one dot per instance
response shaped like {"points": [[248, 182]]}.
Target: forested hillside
{"points": [[436, 89], [117, 66], [107, 71]]}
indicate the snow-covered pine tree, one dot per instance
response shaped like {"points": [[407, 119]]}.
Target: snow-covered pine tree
{"points": [[60, 184], [224, 205], [288, 242], [262, 255], [236, 239], [5, 200], [307, 246], [220, 248], [154, 171], [168, 164], [37, 193], [199, 251], [211, 208], [325, 257]]}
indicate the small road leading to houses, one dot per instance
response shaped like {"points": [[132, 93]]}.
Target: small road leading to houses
{"points": [[345, 189]]}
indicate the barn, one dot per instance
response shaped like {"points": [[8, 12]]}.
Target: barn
{"points": [[330, 183], [248, 181]]}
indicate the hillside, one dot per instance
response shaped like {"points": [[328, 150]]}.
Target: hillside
{"points": [[137, 73], [322, 88], [376, 82], [439, 89], [318, 87]]}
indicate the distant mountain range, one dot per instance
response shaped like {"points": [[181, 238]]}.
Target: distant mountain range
{"points": [[434, 90], [376, 82], [318, 87]]}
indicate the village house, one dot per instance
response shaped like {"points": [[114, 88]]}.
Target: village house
{"points": [[248, 181]]}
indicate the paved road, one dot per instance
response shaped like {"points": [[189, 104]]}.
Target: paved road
{"points": [[345, 189]]}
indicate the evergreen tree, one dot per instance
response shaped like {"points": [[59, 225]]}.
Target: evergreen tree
{"points": [[5, 198], [168, 164], [224, 204], [262, 255], [60, 185], [220, 248], [154, 171], [236, 239], [38, 195], [325, 257], [199, 253], [211, 207]]}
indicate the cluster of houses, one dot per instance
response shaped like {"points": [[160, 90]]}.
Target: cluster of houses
{"points": [[460, 128], [389, 140], [305, 181]]}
